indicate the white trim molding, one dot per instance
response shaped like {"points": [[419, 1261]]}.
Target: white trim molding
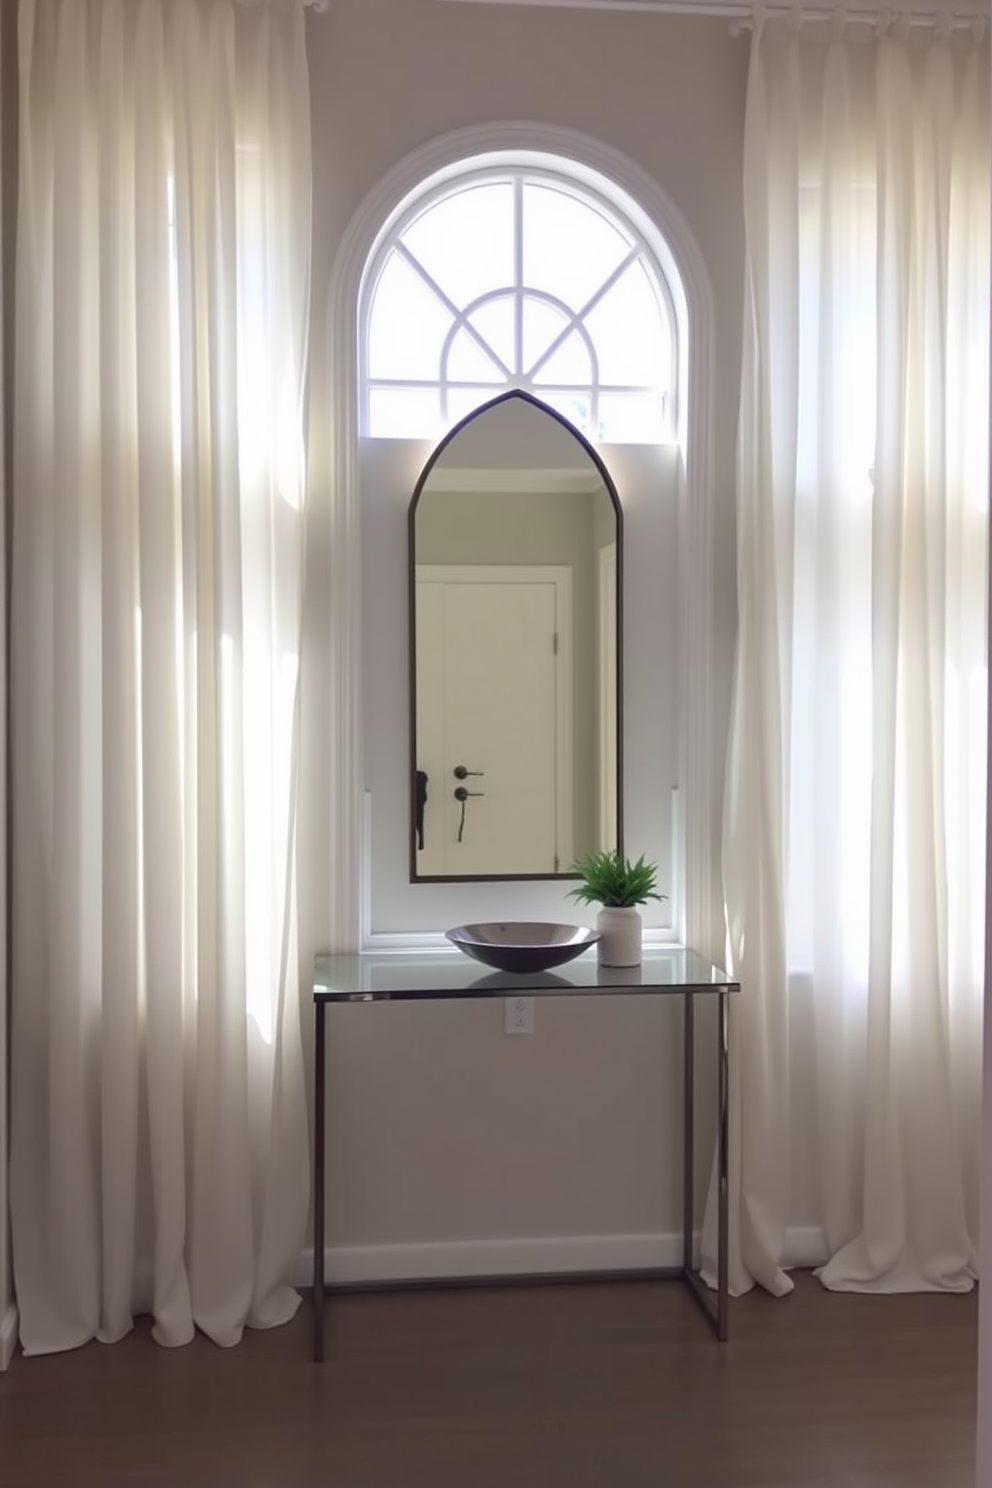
{"points": [[464, 1260], [805, 1246], [449, 1260], [598, 165]]}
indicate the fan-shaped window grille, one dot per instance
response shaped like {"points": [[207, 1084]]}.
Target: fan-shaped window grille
{"points": [[518, 279]]}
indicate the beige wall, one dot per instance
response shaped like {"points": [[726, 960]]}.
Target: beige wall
{"points": [[441, 1129]]}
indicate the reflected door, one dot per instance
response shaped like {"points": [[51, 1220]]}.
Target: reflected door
{"points": [[492, 697]]}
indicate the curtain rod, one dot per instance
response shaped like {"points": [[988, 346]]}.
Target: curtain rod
{"points": [[878, 16], [868, 12]]}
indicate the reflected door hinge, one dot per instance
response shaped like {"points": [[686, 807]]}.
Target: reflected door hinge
{"points": [[557, 865], [554, 648]]}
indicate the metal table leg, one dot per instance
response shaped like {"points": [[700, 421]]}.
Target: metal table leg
{"points": [[716, 1307], [688, 1137], [319, 1117], [723, 1143]]}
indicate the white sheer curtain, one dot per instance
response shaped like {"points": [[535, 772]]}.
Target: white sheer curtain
{"points": [[159, 1131], [854, 828], [7, 1312]]}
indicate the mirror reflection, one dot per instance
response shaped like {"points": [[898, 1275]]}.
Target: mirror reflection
{"points": [[515, 563]]}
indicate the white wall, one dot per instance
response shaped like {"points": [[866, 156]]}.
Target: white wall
{"points": [[447, 1139]]}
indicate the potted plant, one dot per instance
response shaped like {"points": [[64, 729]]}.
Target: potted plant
{"points": [[619, 884]]}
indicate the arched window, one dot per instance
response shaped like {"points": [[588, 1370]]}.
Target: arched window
{"points": [[515, 277]]}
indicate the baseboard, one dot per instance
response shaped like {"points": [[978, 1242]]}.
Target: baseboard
{"points": [[358, 1265], [8, 1337], [805, 1247], [463, 1259]]}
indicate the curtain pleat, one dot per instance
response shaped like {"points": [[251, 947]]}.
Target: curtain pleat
{"points": [[854, 821], [159, 1130], [6, 1278]]}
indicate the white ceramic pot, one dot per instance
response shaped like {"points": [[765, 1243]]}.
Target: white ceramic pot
{"points": [[620, 937]]}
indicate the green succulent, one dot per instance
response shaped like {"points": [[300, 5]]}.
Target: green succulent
{"points": [[610, 879]]}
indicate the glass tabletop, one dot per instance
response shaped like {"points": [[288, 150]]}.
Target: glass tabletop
{"points": [[385, 976]]}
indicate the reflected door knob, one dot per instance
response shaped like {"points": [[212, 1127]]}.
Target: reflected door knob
{"points": [[461, 773]]}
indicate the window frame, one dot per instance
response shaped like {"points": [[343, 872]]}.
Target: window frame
{"points": [[518, 172]]}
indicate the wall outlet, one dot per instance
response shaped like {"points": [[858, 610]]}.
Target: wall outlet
{"points": [[518, 1015]]}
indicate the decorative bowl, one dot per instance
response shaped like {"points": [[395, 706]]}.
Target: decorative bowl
{"points": [[522, 945]]}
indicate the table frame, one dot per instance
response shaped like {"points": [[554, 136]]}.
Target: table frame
{"points": [[714, 1303]]}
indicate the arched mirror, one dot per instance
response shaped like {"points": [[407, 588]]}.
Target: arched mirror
{"points": [[515, 572]]}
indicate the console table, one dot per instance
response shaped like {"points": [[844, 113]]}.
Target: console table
{"points": [[448, 976]]}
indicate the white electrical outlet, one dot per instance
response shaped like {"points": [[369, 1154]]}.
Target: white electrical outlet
{"points": [[518, 1015]]}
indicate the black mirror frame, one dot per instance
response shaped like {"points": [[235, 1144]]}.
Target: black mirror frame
{"points": [[523, 397]]}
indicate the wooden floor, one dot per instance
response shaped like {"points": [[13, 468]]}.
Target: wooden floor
{"points": [[579, 1386]]}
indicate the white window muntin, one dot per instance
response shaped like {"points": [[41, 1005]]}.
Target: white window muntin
{"points": [[562, 394]]}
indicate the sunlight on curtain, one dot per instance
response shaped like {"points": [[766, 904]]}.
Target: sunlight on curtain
{"points": [[854, 831], [159, 1128]]}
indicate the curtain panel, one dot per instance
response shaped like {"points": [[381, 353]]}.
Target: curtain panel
{"points": [[159, 1131], [8, 1314], [855, 805]]}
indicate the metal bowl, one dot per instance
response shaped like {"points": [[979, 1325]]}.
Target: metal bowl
{"points": [[522, 945]]}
